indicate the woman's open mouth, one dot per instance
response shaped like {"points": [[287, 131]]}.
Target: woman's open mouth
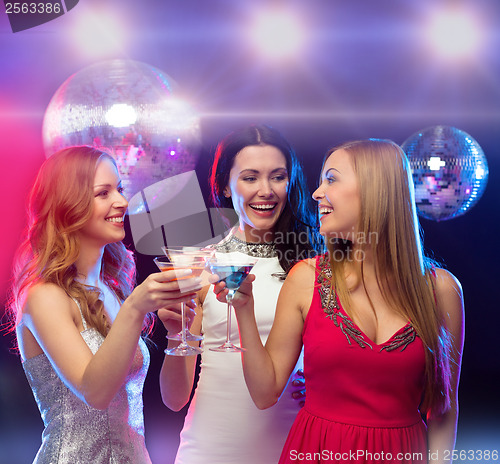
{"points": [[265, 209]]}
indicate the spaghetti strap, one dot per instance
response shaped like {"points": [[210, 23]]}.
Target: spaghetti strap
{"points": [[84, 322]]}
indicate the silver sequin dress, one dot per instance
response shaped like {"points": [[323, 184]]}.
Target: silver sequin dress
{"points": [[76, 433]]}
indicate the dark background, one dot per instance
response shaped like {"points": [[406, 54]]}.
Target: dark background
{"points": [[366, 71]]}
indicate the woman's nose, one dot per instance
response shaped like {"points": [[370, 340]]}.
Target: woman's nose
{"points": [[120, 201], [318, 194], [265, 189]]}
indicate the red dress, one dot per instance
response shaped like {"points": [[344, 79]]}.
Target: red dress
{"points": [[362, 398]]}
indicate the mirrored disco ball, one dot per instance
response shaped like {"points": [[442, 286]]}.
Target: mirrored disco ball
{"points": [[131, 110], [450, 171]]}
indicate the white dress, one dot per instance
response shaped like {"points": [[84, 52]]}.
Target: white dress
{"points": [[223, 425]]}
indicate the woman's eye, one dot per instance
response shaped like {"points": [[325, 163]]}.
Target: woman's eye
{"points": [[103, 193], [280, 178], [249, 179], [121, 190], [330, 180]]}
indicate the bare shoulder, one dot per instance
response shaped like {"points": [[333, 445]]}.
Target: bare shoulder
{"points": [[449, 294], [47, 309], [447, 285], [46, 295], [302, 274], [298, 289]]}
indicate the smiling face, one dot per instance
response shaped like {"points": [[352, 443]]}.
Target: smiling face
{"points": [[109, 207], [338, 197], [257, 186]]}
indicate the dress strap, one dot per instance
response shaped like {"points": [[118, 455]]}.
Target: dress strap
{"points": [[84, 322]]}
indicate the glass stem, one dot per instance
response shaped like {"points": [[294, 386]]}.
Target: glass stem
{"points": [[229, 299], [183, 325]]}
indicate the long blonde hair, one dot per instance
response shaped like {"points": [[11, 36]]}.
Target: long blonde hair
{"points": [[60, 204], [404, 274]]}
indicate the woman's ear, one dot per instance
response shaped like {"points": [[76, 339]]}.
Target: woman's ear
{"points": [[227, 192]]}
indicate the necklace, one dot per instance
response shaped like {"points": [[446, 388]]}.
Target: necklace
{"points": [[257, 250]]}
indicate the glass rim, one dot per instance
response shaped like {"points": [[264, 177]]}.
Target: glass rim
{"points": [[186, 248], [233, 261]]}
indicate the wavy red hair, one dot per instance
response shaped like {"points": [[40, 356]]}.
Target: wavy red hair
{"points": [[60, 204]]}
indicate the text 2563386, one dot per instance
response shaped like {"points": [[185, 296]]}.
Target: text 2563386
{"points": [[33, 7]]}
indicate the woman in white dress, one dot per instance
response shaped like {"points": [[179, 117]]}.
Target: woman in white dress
{"points": [[256, 172]]}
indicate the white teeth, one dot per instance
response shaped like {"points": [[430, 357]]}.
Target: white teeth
{"points": [[263, 207], [325, 210], [115, 219]]}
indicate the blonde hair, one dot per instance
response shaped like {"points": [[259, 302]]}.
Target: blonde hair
{"points": [[404, 274], [60, 204]]}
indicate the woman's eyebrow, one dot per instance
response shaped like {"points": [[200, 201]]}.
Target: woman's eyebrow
{"points": [[108, 185], [256, 171], [331, 169]]}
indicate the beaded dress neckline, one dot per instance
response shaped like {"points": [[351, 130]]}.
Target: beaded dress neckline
{"points": [[257, 250]]}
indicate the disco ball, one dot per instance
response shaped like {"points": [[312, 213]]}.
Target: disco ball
{"points": [[131, 110], [450, 171]]}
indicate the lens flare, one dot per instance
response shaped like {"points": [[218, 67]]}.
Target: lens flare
{"points": [[98, 33], [454, 34], [121, 115], [277, 34]]}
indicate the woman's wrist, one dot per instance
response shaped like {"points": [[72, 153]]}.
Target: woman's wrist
{"points": [[131, 312]]}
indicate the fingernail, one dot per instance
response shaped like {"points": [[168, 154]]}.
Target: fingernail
{"points": [[184, 272]]}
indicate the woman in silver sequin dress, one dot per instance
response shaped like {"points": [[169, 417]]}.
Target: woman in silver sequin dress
{"points": [[77, 318], [255, 172]]}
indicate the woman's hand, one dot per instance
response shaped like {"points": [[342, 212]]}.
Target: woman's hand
{"points": [[163, 290], [242, 298], [171, 316], [298, 381]]}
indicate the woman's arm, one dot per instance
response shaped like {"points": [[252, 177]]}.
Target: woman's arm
{"points": [[178, 372], [442, 429], [267, 369], [52, 318]]}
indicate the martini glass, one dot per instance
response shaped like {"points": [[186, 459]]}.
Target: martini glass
{"points": [[233, 270], [195, 260]]}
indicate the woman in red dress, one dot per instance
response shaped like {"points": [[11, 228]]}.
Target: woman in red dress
{"points": [[381, 324]]}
